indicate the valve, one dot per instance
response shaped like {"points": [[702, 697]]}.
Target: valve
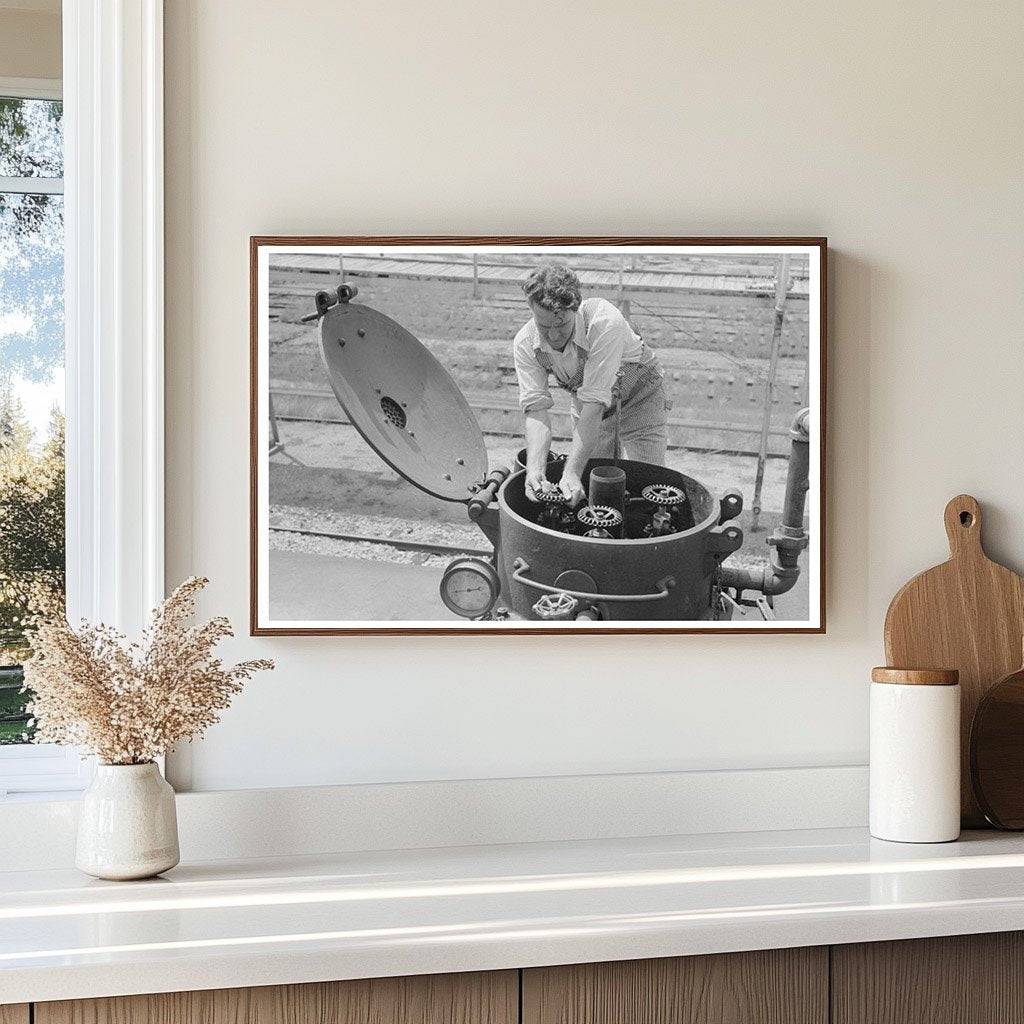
{"points": [[555, 512], [602, 517], [557, 607], [664, 494], [660, 524], [553, 497]]}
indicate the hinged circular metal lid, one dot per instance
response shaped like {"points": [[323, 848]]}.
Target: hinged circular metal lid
{"points": [[403, 401]]}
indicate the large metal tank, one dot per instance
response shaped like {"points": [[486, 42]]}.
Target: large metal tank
{"points": [[666, 577]]}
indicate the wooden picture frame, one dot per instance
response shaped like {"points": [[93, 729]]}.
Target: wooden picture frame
{"points": [[355, 262]]}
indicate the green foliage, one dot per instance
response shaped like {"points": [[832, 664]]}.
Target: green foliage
{"points": [[14, 727], [32, 551], [30, 147], [30, 138]]}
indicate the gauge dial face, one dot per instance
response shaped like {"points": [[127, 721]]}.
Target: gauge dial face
{"points": [[470, 588]]}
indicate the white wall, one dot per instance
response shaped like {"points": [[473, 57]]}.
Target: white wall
{"points": [[895, 129]]}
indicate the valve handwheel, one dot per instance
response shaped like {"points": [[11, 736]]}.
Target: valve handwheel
{"points": [[554, 497], [603, 516], [555, 513], [664, 494], [560, 606]]}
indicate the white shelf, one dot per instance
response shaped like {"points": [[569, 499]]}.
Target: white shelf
{"points": [[351, 915]]}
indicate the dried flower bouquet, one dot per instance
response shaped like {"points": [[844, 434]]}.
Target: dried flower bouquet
{"points": [[129, 703]]}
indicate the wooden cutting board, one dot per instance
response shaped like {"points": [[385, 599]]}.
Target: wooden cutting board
{"points": [[967, 614]]}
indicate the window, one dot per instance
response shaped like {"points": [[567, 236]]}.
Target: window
{"points": [[32, 531], [109, 207]]}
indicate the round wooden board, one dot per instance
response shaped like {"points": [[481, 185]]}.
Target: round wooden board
{"points": [[997, 752]]}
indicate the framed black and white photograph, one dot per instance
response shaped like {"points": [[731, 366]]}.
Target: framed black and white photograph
{"points": [[537, 435]]}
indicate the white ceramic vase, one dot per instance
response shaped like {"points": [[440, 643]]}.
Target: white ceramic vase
{"points": [[127, 825]]}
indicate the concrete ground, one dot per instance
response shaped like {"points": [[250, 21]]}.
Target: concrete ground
{"points": [[380, 590], [386, 591]]}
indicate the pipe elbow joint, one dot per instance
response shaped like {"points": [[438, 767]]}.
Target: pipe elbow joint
{"points": [[780, 578], [800, 428]]}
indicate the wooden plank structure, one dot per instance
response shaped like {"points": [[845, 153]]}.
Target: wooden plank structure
{"points": [[475, 272], [307, 403]]}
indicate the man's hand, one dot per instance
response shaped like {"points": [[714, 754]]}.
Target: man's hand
{"points": [[537, 484], [572, 487], [538, 444]]}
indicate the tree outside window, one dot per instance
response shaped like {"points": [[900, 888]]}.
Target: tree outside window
{"points": [[31, 387]]}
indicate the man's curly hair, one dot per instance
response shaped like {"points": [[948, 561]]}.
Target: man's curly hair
{"points": [[553, 286]]}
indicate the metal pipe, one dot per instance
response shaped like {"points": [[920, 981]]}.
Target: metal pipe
{"points": [[607, 486], [483, 497], [780, 573], [797, 476], [781, 290]]}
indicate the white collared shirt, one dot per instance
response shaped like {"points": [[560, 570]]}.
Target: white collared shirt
{"points": [[602, 337]]}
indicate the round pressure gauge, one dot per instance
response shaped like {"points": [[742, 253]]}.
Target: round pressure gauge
{"points": [[470, 587]]}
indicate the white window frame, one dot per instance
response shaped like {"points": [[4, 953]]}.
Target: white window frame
{"points": [[114, 325], [31, 88]]}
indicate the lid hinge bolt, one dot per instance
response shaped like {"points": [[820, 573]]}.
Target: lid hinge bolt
{"points": [[325, 300]]}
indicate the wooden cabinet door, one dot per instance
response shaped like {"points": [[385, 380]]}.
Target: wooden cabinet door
{"points": [[14, 1013], [777, 986], [960, 979], [481, 998]]}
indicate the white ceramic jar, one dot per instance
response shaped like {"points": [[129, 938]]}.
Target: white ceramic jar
{"points": [[915, 755], [127, 824]]}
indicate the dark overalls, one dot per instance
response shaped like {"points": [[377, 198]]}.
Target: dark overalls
{"points": [[638, 417]]}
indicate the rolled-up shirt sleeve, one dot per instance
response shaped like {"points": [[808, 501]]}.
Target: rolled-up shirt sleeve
{"points": [[609, 334], [534, 393]]}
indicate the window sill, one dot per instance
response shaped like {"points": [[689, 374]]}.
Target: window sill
{"points": [[43, 771]]}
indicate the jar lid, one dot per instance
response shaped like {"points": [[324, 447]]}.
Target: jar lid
{"points": [[916, 676]]}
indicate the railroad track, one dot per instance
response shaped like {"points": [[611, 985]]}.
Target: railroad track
{"points": [[402, 545]]}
